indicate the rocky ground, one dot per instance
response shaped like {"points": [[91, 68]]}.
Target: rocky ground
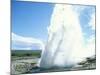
{"points": [[20, 66], [88, 63], [29, 65]]}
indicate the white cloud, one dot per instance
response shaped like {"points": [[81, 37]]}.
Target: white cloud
{"points": [[92, 21], [89, 43], [90, 46], [26, 43]]}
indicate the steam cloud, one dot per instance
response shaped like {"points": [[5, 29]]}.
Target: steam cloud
{"points": [[66, 45]]}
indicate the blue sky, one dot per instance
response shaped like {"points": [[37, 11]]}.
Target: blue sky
{"points": [[31, 19], [84, 20]]}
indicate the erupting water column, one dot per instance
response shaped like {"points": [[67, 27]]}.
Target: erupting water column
{"points": [[64, 45]]}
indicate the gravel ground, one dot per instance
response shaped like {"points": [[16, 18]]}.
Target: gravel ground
{"points": [[23, 65], [29, 65]]}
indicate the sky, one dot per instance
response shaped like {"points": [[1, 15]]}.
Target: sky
{"points": [[30, 21]]}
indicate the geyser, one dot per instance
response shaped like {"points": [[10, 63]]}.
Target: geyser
{"points": [[64, 47]]}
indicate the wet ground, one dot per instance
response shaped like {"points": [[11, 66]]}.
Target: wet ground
{"points": [[28, 65]]}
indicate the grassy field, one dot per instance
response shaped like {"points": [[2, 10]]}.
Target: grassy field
{"points": [[26, 53]]}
